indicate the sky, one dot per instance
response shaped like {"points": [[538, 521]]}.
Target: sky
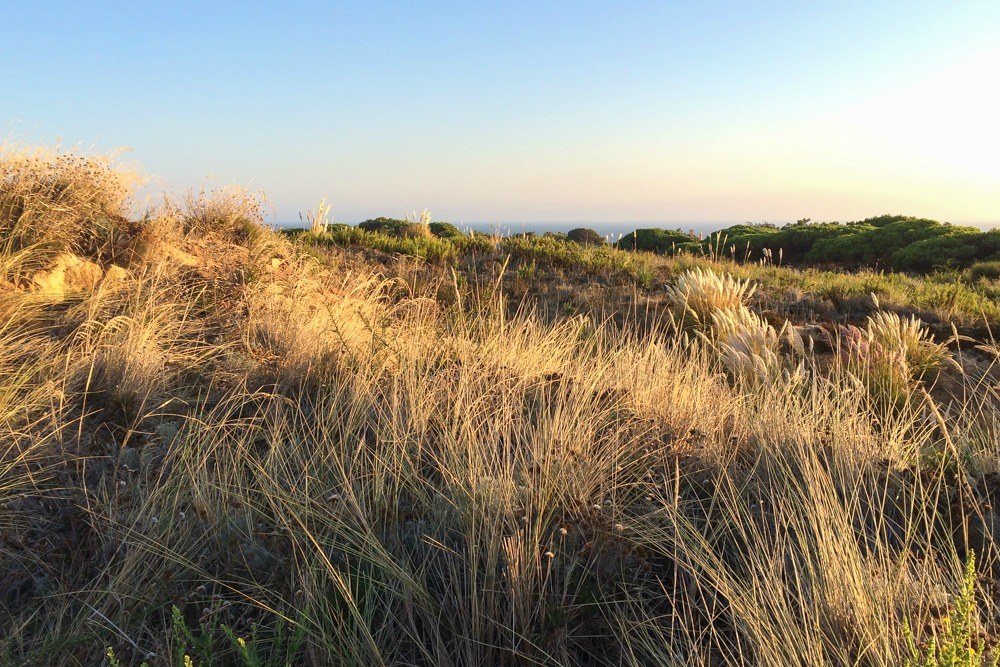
{"points": [[519, 113]]}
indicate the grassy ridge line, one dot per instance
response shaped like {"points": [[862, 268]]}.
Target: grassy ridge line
{"points": [[966, 298], [338, 468]]}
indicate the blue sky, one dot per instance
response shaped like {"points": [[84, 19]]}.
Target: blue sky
{"points": [[529, 111]]}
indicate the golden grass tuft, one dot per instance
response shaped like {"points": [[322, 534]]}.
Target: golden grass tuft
{"points": [[910, 341], [417, 226], [751, 349], [53, 202], [698, 294]]}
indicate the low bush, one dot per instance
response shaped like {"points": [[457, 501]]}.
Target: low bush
{"points": [[445, 230], [659, 241], [555, 253], [382, 225], [584, 236], [984, 271]]}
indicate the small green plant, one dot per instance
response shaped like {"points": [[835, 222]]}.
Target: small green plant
{"points": [[956, 647], [644, 275], [527, 271], [113, 661], [196, 649], [281, 652]]}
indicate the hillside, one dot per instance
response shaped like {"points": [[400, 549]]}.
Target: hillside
{"points": [[369, 447]]}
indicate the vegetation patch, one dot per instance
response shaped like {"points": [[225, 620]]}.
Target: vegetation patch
{"points": [[398, 444]]}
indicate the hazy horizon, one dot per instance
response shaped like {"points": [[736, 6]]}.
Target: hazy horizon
{"points": [[529, 111]]}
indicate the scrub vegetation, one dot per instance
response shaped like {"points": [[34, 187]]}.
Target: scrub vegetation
{"points": [[405, 445]]}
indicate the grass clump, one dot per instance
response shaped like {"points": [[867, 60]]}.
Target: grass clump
{"points": [[318, 220], [53, 203], [751, 349], [892, 357], [699, 294], [907, 344], [418, 226]]}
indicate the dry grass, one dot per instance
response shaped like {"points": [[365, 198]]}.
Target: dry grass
{"points": [[367, 476], [53, 202], [919, 355], [418, 226], [699, 293], [318, 220]]}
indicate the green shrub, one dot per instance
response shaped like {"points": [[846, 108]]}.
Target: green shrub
{"points": [[584, 236], [739, 241], [955, 246], [382, 225], [445, 230], [473, 243], [656, 240], [796, 240], [841, 246], [984, 271]]}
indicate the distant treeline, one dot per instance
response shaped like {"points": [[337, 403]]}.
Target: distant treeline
{"points": [[890, 242], [896, 242]]}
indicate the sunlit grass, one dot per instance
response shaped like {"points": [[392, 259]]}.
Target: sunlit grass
{"points": [[337, 466]]}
